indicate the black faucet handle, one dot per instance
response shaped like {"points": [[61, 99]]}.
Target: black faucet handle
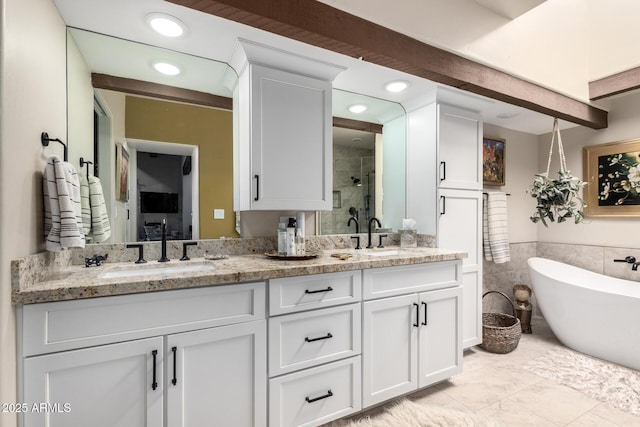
{"points": [[140, 247], [184, 250], [628, 259], [357, 239], [380, 236]]}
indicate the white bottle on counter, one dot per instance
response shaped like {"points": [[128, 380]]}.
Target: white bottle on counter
{"points": [[300, 245], [291, 237]]}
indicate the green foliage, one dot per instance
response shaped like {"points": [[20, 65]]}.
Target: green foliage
{"points": [[557, 199]]}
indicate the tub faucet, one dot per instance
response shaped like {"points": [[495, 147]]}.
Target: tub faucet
{"points": [[164, 258], [371, 221]]}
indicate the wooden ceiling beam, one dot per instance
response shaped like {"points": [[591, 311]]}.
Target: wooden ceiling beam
{"points": [[318, 24], [615, 84]]}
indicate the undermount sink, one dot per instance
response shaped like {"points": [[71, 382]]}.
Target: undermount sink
{"points": [[390, 252], [155, 269]]}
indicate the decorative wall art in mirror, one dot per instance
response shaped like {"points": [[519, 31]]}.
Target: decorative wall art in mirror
{"points": [[612, 174], [493, 161], [122, 173]]}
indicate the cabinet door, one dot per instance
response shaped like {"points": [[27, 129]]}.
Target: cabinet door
{"points": [[459, 135], [460, 228], [291, 141], [110, 385], [217, 376], [389, 348], [440, 336]]}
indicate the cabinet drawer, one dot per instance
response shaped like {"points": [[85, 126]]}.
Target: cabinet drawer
{"points": [[405, 279], [291, 294], [307, 339], [317, 395], [66, 325]]}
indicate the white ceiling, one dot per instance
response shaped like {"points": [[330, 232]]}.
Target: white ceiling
{"points": [[210, 37]]}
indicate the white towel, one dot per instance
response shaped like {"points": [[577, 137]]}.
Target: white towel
{"points": [[62, 212], [100, 227], [495, 231], [85, 206]]}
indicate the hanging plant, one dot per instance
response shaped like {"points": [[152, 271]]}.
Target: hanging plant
{"points": [[557, 199]]}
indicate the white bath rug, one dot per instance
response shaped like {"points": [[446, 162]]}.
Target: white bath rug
{"points": [[612, 384], [410, 414]]}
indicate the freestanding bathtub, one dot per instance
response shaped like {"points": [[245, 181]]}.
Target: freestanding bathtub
{"points": [[589, 312]]}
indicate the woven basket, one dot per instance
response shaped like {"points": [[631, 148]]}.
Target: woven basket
{"points": [[500, 332]]}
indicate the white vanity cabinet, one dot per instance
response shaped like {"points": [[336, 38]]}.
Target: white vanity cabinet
{"points": [[196, 356], [445, 196], [283, 148], [413, 339], [314, 349]]}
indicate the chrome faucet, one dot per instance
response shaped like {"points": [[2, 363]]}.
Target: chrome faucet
{"points": [[164, 258], [371, 221]]}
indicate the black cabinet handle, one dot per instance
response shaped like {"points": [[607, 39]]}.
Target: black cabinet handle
{"points": [[174, 350], [417, 324], [257, 177], [443, 171], [424, 322], [326, 337], [329, 289], [315, 399], [443, 204], [154, 384]]}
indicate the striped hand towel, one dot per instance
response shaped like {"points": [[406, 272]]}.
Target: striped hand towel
{"points": [[495, 231], [85, 206], [100, 227], [62, 213]]}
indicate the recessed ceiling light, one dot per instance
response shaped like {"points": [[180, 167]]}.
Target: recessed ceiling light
{"points": [[167, 25], [357, 108], [396, 86], [166, 68]]}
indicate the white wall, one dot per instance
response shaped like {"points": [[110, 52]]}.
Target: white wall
{"points": [[520, 166], [33, 100], [623, 124]]}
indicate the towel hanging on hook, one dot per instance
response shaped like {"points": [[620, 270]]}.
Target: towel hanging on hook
{"points": [[44, 139]]}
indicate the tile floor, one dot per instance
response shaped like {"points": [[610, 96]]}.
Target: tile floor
{"points": [[496, 386]]}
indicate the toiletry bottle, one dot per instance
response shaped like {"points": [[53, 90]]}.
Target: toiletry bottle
{"points": [[282, 239], [291, 237], [300, 245]]}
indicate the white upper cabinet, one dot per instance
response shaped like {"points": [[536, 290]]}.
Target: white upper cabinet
{"points": [[283, 149], [459, 136]]}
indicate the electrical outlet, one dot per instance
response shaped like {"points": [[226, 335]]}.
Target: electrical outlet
{"points": [[218, 214]]}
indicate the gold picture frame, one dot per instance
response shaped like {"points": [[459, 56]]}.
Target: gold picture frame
{"points": [[612, 174], [493, 161]]}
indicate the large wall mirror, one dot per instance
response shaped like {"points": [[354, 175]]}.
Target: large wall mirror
{"points": [[171, 156]]}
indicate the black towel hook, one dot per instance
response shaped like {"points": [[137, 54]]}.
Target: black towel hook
{"points": [[85, 162], [44, 138]]}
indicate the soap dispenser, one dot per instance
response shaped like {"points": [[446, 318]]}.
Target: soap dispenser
{"points": [[291, 237]]}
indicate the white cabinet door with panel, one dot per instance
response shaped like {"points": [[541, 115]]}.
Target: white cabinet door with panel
{"points": [[460, 228], [217, 376], [459, 136], [105, 386]]}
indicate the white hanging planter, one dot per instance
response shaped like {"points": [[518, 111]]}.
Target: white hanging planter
{"points": [[557, 199]]}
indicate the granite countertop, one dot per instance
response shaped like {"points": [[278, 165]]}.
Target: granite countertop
{"points": [[78, 282]]}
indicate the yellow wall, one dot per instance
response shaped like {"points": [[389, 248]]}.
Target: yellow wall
{"points": [[208, 128]]}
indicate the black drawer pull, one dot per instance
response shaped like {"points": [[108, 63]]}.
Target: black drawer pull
{"points": [[174, 380], [307, 291], [326, 337], [417, 324], [443, 171], [315, 399], [257, 177], [424, 322], [154, 384]]}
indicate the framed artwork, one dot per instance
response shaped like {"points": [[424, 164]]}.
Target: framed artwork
{"points": [[122, 173], [612, 174], [493, 155]]}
